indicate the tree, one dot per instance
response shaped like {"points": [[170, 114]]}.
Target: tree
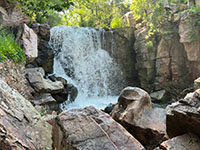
{"points": [[94, 13], [37, 9]]}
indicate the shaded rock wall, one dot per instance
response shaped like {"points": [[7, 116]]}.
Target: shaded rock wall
{"points": [[120, 45]]}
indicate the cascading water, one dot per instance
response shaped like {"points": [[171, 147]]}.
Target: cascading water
{"points": [[80, 59]]}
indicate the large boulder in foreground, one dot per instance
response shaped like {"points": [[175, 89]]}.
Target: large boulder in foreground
{"points": [[21, 126], [183, 142], [93, 129], [184, 115], [136, 113]]}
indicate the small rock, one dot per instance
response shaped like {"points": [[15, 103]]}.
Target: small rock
{"points": [[160, 96]]}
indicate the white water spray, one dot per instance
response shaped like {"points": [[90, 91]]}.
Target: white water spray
{"points": [[80, 59]]}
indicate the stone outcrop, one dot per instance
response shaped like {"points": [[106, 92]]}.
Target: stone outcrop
{"points": [[45, 53], [146, 60], [183, 142], [21, 126], [12, 74], [41, 85], [120, 45], [136, 113], [191, 44], [171, 61], [11, 15], [184, 115], [90, 128], [30, 44]]}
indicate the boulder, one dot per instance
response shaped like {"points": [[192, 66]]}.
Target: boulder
{"points": [[45, 52], [136, 113], [161, 96], [11, 15], [42, 85], [183, 142], [21, 126], [30, 44], [183, 116], [90, 128]]}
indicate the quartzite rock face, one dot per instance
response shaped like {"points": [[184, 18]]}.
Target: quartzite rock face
{"points": [[21, 126], [183, 142], [184, 116], [93, 129], [135, 112], [30, 44]]}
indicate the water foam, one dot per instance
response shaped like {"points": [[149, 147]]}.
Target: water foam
{"points": [[80, 59]]}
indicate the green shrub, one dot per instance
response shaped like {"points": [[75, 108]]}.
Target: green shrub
{"points": [[9, 49]]}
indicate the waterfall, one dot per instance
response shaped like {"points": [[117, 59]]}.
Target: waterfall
{"points": [[80, 59]]}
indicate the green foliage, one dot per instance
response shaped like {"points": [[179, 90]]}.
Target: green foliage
{"points": [[9, 49], [94, 13], [117, 22], [37, 9]]}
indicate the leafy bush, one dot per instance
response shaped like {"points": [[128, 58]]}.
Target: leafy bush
{"points": [[9, 49]]}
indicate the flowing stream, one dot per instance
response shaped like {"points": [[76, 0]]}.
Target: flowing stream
{"points": [[80, 59]]}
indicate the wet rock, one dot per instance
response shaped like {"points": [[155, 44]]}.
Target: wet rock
{"points": [[136, 113], [30, 44], [42, 85], [69, 94], [183, 116], [108, 109], [160, 96], [90, 128], [183, 142], [21, 126]]}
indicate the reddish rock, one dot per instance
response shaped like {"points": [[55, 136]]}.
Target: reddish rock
{"points": [[184, 115], [183, 142], [30, 44], [135, 112], [21, 126], [11, 15], [93, 129], [192, 47], [42, 85]]}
